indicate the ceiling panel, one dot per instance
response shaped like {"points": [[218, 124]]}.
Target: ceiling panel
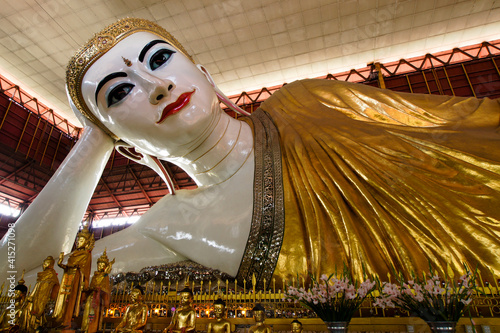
{"points": [[240, 42]]}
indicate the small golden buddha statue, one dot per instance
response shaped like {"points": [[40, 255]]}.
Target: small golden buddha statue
{"points": [[184, 318], [75, 278], [97, 295], [46, 288], [221, 324], [14, 315], [259, 314], [136, 315], [296, 326]]}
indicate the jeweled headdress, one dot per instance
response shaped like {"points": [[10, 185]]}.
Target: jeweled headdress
{"points": [[85, 232], [103, 258], [99, 45]]}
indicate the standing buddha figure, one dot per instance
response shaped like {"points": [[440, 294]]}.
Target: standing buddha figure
{"points": [[98, 295], [46, 288], [75, 278]]}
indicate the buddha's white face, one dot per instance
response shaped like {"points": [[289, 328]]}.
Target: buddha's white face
{"points": [[150, 95]]}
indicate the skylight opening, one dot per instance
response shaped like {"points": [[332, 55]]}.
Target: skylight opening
{"points": [[116, 221], [7, 210]]}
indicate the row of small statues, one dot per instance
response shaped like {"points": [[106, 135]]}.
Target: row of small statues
{"points": [[27, 313], [184, 318]]}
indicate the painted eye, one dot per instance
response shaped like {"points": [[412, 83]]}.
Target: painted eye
{"points": [[119, 92], [159, 58]]}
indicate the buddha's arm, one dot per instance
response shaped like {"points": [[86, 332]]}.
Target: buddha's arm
{"points": [[50, 223], [60, 261], [191, 322], [122, 323], [171, 326], [366, 103], [143, 318]]}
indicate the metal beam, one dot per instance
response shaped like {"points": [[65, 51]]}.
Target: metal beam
{"points": [[4, 179], [111, 194], [140, 185]]}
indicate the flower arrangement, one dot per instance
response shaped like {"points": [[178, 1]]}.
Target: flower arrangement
{"points": [[432, 299], [332, 298]]}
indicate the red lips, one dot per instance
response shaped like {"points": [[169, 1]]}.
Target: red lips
{"points": [[176, 106]]}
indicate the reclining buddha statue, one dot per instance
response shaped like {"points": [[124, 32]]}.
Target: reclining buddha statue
{"points": [[324, 173]]}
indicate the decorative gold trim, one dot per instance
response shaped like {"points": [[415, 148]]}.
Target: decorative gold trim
{"points": [[99, 45], [268, 220]]}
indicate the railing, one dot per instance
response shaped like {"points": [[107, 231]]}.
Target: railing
{"points": [[162, 297]]}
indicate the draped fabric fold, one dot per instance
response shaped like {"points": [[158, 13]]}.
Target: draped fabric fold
{"points": [[378, 179]]}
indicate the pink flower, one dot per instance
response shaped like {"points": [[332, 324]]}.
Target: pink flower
{"points": [[466, 301]]}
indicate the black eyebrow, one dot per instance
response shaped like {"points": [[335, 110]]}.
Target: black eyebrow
{"points": [[148, 46], [106, 79]]}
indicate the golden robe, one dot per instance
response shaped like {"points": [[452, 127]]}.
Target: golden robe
{"points": [[46, 288], [378, 179], [12, 321], [75, 279], [97, 301]]}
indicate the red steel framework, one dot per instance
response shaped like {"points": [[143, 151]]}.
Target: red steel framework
{"points": [[434, 70], [35, 139]]}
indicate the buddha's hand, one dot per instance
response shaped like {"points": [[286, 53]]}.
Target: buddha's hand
{"points": [[61, 257]]}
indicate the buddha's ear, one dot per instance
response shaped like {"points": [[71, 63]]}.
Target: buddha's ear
{"points": [[130, 152], [223, 98]]}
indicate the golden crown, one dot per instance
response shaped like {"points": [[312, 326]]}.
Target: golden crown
{"points": [[103, 258], [85, 232], [99, 45]]}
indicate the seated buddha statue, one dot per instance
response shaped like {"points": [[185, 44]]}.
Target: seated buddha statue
{"points": [[184, 318], [296, 326], [259, 314], [220, 324], [135, 317]]}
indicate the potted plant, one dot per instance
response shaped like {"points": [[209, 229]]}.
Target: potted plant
{"points": [[333, 298], [438, 301]]}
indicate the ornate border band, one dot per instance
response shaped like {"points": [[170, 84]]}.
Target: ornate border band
{"points": [[268, 220]]}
